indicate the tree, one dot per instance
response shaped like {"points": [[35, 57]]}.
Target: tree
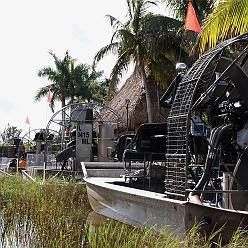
{"points": [[144, 39], [228, 19], [190, 39], [89, 85], [100, 91], [60, 78], [179, 8], [69, 81], [10, 133]]}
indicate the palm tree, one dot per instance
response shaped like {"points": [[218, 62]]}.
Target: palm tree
{"points": [[60, 78], [11, 133], [88, 85], [190, 39], [143, 39], [68, 80], [179, 8], [228, 19]]}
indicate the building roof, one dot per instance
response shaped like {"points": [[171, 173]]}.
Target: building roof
{"points": [[133, 93]]}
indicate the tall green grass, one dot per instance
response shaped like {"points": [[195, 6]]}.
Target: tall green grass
{"points": [[123, 236], [54, 214], [47, 215]]}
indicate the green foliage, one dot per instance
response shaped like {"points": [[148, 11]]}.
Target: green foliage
{"points": [[69, 81], [93, 87], [42, 215], [189, 39], [119, 235], [100, 91], [228, 19], [10, 133], [146, 40], [154, 36], [179, 7]]}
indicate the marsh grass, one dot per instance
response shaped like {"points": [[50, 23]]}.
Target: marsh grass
{"points": [[123, 236], [36, 215], [42, 215]]}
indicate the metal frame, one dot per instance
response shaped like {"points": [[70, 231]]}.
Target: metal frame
{"points": [[177, 154]]}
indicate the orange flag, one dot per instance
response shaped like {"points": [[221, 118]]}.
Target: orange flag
{"points": [[191, 22], [49, 96], [27, 121]]}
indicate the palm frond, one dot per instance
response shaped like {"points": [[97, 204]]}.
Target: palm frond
{"points": [[120, 66], [163, 71], [147, 5], [229, 19], [137, 15], [122, 34], [169, 45], [48, 72], [161, 24], [111, 48], [114, 22], [125, 36], [129, 14], [52, 103], [54, 55], [41, 92], [179, 7]]}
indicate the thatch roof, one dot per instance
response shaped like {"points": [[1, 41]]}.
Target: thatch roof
{"points": [[133, 90]]}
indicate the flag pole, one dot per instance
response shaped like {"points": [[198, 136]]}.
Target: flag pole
{"points": [[29, 130], [180, 47], [27, 121]]}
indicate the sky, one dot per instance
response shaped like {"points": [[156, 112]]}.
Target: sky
{"points": [[29, 30]]}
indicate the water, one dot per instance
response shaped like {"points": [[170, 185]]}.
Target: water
{"points": [[20, 232], [34, 215]]}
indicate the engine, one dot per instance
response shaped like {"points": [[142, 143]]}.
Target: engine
{"points": [[207, 141], [218, 143]]}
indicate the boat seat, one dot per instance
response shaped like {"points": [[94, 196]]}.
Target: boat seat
{"points": [[123, 142], [66, 153], [63, 156], [147, 146]]}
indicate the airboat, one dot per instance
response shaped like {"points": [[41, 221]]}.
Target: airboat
{"points": [[193, 168], [190, 169], [78, 132]]}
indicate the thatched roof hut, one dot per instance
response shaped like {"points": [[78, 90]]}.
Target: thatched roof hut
{"points": [[134, 92]]}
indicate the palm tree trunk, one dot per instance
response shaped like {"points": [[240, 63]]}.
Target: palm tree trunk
{"points": [[148, 94]]}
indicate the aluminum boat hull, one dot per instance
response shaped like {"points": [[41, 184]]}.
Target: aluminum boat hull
{"points": [[143, 208]]}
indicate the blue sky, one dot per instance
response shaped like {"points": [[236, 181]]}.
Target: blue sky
{"points": [[29, 29]]}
